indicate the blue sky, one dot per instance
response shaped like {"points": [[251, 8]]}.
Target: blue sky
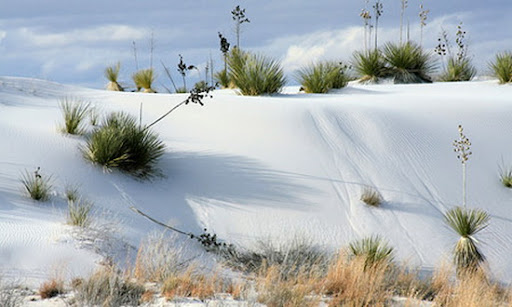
{"points": [[73, 41]]}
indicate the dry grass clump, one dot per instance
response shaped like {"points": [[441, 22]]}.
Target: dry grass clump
{"points": [[192, 283], [51, 288], [371, 197], [10, 295], [107, 287]]}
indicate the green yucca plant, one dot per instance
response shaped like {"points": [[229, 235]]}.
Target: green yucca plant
{"points": [[408, 63], [458, 70], [121, 143], [374, 250], [112, 74], [79, 213], [370, 65], [322, 77], [222, 77], [467, 223], [144, 79], [255, 74], [506, 176], [37, 185], [502, 67], [74, 112]]}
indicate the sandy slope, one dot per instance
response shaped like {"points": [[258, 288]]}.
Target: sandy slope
{"points": [[266, 168]]}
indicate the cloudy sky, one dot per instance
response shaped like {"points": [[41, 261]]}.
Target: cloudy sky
{"points": [[73, 41]]}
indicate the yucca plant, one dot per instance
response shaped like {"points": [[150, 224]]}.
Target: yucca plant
{"points": [[502, 67], [79, 213], [121, 143], [222, 77], [408, 63], [112, 74], [255, 74], [322, 77], [458, 70], [467, 223], [144, 79], [506, 176], [37, 185], [374, 250], [74, 112], [370, 65]]}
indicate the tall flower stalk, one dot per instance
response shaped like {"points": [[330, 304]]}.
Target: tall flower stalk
{"points": [[423, 21], [238, 15], [462, 147], [366, 16], [402, 12], [378, 8]]}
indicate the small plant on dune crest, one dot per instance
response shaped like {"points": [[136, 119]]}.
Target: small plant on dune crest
{"points": [[371, 197], [502, 67], [79, 213], [37, 185], [459, 67], [255, 74], [467, 223], [74, 112], [144, 79], [374, 250], [121, 143], [322, 77], [408, 63], [112, 74], [51, 288], [370, 65], [106, 287]]}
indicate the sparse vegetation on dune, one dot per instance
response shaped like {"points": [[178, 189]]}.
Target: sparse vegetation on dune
{"points": [[322, 77], [74, 112], [370, 66], [408, 63], [371, 197], [502, 67], [144, 79], [112, 74], [37, 185]]}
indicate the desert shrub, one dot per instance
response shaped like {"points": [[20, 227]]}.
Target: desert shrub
{"points": [[192, 283], [323, 76], [467, 223], [506, 176], [371, 197], [255, 74], [370, 65], [374, 250], [10, 295], [51, 288], [121, 143], [408, 63], [222, 77], [74, 113], [458, 70], [106, 287], [502, 67], [37, 186], [79, 212], [112, 73], [144, 79], [71, 193], [201, 86]]}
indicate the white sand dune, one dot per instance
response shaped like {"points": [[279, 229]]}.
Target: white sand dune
{"points": [[265, 168]]}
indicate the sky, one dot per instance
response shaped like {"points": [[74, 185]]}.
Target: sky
{"points": [[74, 41]]}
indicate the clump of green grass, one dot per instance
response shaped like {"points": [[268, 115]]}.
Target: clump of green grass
{"points": [[502, 67], [458, 70], [112, 74], [37, 185], [322, 77], [144, 79], [222, 77], [371, 197], [370, 65], [121, 143], [467, 223], [255, 74], [506, 176], [74, 112], [408, 63], [79, 213], [374, 250]]}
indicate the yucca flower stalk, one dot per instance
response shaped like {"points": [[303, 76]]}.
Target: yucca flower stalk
{"points": [[462, 147], [467, 223]]}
